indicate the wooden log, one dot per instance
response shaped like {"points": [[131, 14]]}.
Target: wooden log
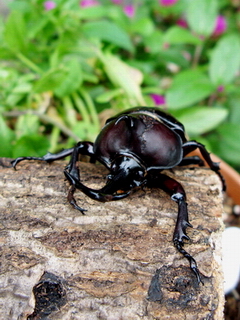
{"points": [[59, 264]]}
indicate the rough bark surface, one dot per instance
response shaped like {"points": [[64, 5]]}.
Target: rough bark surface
{"points": [[59, 264]]}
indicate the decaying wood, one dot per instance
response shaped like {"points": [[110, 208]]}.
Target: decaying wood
{"points": [[66, 265]]}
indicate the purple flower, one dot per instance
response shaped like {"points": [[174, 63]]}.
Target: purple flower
{"points": [[88, 3], [49, 5], [220, 25], [158, 99], [129, 10], [220, 88], [167, 3], [182, 23]]}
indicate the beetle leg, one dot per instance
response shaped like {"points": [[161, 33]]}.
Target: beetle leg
{"points": [[99, 195], [177, 193], [193, 145], [72, 174], [72, 200], [84, 148], [49, 157], [191, 160]]}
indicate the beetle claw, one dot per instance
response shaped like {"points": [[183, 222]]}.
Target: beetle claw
{"points": [[193, 263]]}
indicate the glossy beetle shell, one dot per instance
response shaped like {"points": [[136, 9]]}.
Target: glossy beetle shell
{"points": [[146, 135]]}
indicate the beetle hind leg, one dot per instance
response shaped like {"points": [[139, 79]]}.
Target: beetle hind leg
{"points": [[192, 160], [177, 193], [192, 262], [180, 235]]}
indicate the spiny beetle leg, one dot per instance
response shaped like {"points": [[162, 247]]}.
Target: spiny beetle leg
{"points": [[48, 157], [192, 262], [177, 193], [72, 200]]}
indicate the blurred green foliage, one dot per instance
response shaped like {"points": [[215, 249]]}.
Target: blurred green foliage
{"points": [[62, 69]]}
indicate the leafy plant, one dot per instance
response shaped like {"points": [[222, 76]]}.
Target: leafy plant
{"points": [[66, 65]]}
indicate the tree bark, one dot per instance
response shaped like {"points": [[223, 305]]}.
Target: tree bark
{"points": [[59, 264]]}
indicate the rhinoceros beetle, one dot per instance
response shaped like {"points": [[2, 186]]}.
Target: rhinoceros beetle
{"points": [[136, 145]]}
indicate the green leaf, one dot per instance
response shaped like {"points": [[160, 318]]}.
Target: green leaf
{"points": [[226, 142], [173, 54], [34, 145], [15, 32], [6, 138], [109, 95], [178, 35], [124, 76], [38, 26], [154, 41], [73, 79], [199, 120], [143, 26], [201, 16], [85, 131], [108, 31], [27, 124], [21, 89], [234, 103], [188, 87], [50, 80], [19, 5], [24, 87], [225, 60], [92, 12]]}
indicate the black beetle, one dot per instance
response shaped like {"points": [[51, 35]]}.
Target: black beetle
{"points": [[135, 146]]}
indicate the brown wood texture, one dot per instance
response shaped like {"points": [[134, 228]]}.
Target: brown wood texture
{"points": [[65, 265]]}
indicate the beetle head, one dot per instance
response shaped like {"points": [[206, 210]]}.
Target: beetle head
{"points": [[127, 172]]}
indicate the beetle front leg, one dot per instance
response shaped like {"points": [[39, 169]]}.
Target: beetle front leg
{"points": [[177, 193], [48, 157], [72, 170], [83, 148], [101, 195]]}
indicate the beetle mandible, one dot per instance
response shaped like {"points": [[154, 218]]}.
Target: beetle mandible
{"points": [[136, 145]]}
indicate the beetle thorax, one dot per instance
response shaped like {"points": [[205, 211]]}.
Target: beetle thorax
{"points": [[143, 136]]}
